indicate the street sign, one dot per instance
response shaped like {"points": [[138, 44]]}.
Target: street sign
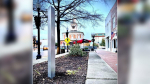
{"points": [[67, 40]]}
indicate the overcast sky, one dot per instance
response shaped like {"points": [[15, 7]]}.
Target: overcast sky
{"points": [[101, 8]]}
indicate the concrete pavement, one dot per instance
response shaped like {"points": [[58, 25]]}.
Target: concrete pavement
{"points": [[99, 72]]}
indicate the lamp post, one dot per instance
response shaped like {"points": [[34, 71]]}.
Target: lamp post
{"points": [[10, 37], [38, 23], [93, 35], [67, 37]]}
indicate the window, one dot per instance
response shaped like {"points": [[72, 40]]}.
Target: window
{"points": [[74, 36], [114, 43], [70, 36], [114, 23], [64, 36], [80, 35]]}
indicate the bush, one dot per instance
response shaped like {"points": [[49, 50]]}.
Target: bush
{"points": [[86, 48], [76, 51], [55, 44], [95, 44], [102, 43]]}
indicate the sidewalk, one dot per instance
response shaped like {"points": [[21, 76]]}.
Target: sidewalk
{"points": [[109, 57], [45, 58], [99, 72]]}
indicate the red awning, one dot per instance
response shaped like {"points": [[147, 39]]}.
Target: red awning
{"points": [[74, 42], [83, 41]]}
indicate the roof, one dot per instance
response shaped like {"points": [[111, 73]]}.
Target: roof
{"points": [[74, 31], [100, 34]]}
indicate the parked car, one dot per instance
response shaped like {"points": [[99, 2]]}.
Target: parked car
{"points": [[45, 47]]}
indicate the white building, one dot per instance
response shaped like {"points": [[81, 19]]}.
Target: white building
{"points": [[108, 32], [73, 35], [98, 38], [111, 30]]}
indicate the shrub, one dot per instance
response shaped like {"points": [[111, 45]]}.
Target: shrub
{"points": [[76, 51], [95, 44], [86, 48], [55, 44], [102, 43]]}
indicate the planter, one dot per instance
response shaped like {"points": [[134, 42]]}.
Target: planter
{"points": [[62, 50]]}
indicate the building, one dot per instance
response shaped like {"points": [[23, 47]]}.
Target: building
{"points": [[98, 38], [111, 30], [73, 35]]}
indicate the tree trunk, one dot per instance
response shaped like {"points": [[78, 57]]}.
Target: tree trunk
{"points": [[58, 29], [58, 36]]}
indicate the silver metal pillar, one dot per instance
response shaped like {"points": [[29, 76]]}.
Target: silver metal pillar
{"points": [[51, 42]]}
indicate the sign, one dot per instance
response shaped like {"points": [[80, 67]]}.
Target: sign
{"points": [[67, 40], [51, 42]]}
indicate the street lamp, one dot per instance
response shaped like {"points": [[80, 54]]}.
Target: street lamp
{"points": [[93, 35], [10, 37], [67, 38], [38, 23]]}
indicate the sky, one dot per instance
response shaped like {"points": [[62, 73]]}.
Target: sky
{"points": [[101, 8]]}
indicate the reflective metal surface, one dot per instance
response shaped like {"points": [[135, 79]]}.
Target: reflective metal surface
{"points": [[51, 42]]}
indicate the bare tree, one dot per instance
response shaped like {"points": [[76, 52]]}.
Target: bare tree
{"points": [[65, 10]]}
